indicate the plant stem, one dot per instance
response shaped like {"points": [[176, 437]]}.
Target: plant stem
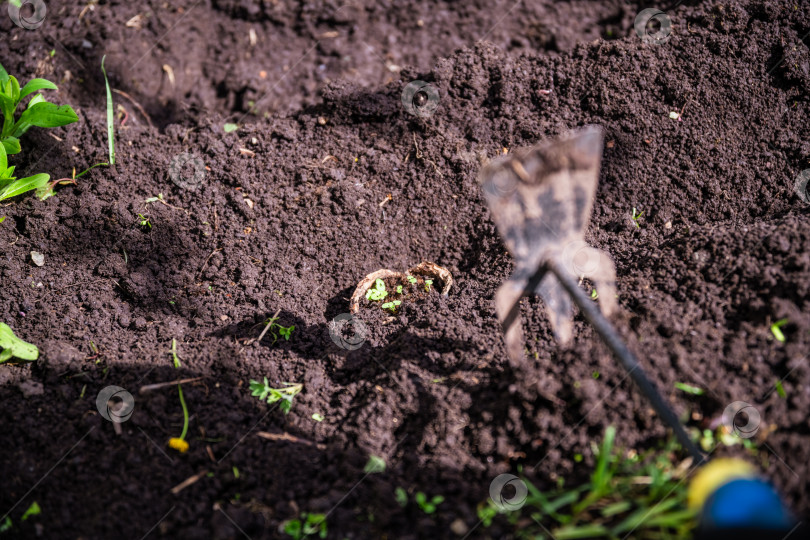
{"points": [[185, 412]]}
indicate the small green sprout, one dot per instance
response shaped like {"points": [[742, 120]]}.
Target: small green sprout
{"points": [[235, 471], [399, 289], [401, 496], [6, 525], [392, 305], [175, 358], [689, 389], [308, 525], [144, 221], [230, 128], [635, 216], [428, 283], [33, 510], [284, 331], [179, 443], [375, 464], [285, 395], [486, 513], [154, 199], [776, 330], [110, 125], [594, 294], [318, 417], [411, 280], [780, 390], [428, 506], [14, 347], [377, 292]]}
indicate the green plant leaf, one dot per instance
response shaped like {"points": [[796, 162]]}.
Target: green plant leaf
{"points": [[23, 185], [45, 191], [401, 496], [14, 346], [375, 464], [110, 116], [585, 531], [33, 510], [7, 107], [11, 145], [35, 85], [689, 389], [3, 75], [44, 115], [39, 98], [15, 89]]}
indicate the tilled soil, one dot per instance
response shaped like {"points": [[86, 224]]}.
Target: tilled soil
{"points": [[327, 179]]}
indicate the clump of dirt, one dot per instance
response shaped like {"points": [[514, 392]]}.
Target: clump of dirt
{"points": [[285, 215]]}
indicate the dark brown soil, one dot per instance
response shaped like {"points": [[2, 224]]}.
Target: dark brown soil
{"points": [[722, 251]]}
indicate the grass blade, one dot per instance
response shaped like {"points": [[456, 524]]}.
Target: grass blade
{"points": [[110, 127]]}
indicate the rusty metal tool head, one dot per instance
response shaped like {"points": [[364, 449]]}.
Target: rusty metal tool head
{"points": [[541, 200]]}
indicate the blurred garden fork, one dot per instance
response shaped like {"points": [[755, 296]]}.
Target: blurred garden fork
{"points": [[541, 200]]}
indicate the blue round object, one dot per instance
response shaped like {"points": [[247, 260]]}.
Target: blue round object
{"points": [[747, 502]]}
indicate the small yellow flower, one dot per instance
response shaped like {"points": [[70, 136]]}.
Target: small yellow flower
{"points": [[178, 444]]}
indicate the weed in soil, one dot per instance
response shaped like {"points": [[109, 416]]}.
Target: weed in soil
{"points": [[14, 347], [283, 395]]}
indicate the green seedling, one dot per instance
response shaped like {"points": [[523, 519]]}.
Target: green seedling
{"points": [[284, 395], [318, 417], [393, 305], [780, 390], [635, 216], [308, 525], [110, 116], [144, 221], [399, 289], [10, 186], [14, 347], [776, 330], [428, 283], [411, 280], [286, 332], [377, 292], [47, 190], [38, 112], [6, 525], [375, 464], [230, 128], [33, 510], [154, 199], [401, 496], [179, 443], [273, 326], [594, 294], [428, 506], [689, 389], [709, 440]]}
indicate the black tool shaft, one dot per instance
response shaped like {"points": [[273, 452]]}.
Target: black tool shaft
{"points": [[626, 358]]}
